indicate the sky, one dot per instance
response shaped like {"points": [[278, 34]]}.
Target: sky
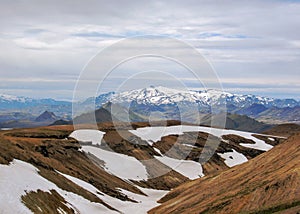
{"points": [[253, 46]]}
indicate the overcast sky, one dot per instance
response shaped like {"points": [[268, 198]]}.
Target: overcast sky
{"points": [[254, 46]]}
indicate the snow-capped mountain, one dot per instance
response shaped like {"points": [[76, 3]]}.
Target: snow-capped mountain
{"points": [[5, 98], [11, 103], [166, 96], [156, 96], [161, 99], [177, 104]]}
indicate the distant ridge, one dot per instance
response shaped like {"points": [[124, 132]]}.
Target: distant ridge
{"points": [[239, 122]]}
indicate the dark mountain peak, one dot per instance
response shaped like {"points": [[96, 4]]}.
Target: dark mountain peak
{"points": [[254, 110], [237, 122], [46, 116], [257, 105], [61, 122]]}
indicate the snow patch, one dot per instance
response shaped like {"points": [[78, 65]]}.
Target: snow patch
{"points": [[189, 169], [20, 177], [6, 129], [88, 135], [233, 158], [120, 165], [144, 203], [158, 151], [154, 134], [189, 145]]}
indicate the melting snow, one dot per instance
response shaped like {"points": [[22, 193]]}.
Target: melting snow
{"points": [[88, 135], [154, 134], [123, 166], [20, 176], [6, 129], [233, 158], [145, 203], [190, 169], [158, 151], [189, 145]]}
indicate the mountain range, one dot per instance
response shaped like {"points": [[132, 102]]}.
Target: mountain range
{"points": [[185, 104], [159, 103], [10, 103], [162, 96], [22, 120]]}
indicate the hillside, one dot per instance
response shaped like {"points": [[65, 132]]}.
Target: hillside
{"points": [[45, 171], [252, 111], [100, 115], [286, 130], [238, 122], [287, 114], [22, 120], [126, 169], [268, 183], [108, 113]]}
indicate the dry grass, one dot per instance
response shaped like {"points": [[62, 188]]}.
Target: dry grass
{"points": [[266, 184]]}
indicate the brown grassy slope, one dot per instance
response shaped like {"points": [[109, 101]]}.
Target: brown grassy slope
{"points": [[175, 146], [285, 130], [161, 176], [48, 149], [46, 202], [267, 184]]}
